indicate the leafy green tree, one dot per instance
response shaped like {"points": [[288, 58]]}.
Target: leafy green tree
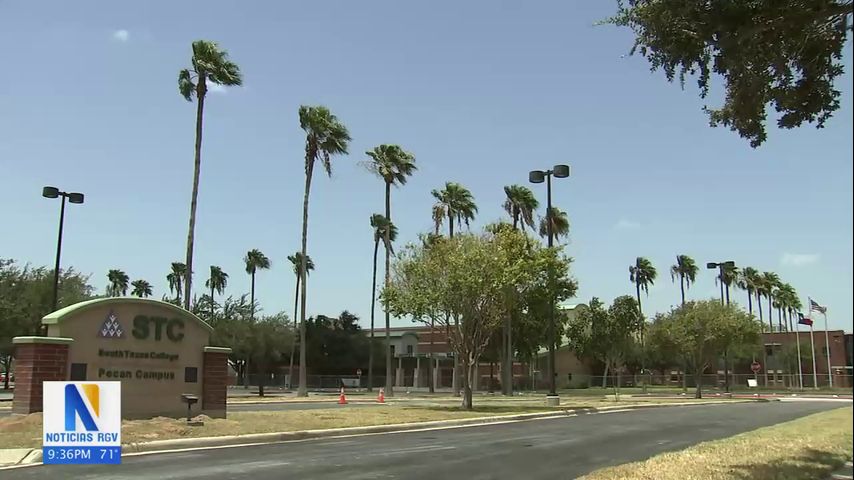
{"points": [[686, 270], [381, 226], [209, 64], [325, 137], [468, 278], [337, 345], [520, 205], [454, 203], [700, 331], [268, 340], [232, 329], [749, 281], [394, 166], [118, 286], [141, 288], [26, 296], [296, 261], [254, 260], [560, 224], [176, 278], [785, 55], [217, 283]]}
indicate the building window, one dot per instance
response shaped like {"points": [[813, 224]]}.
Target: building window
{"points": [[191, 375], [409, 350], [769, 351], [78, 372]]}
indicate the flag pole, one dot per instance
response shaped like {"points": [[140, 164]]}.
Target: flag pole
{"points": [[798, 343], [812, 344], [827, 347]]}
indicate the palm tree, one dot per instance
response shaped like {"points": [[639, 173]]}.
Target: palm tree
{"points": [[381, 227], [520, 205], [748, 280], [456, 203], [217, 283], [325, 136], [118, 285], [254, 260], [176, 279], [642, 274], [560, 224], [296, 261], [141, 289], [770, 282], [727, 276], [787, 297], [394, 165], [210, 64], [686, 269]]}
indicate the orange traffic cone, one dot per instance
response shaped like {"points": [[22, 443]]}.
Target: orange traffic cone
{"points": [[342, 400], [381, 396]]}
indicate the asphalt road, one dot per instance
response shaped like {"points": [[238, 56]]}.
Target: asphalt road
{"points": [[562, 448]]}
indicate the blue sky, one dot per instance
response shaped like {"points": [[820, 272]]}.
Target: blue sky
{"points": [[481, 92]]}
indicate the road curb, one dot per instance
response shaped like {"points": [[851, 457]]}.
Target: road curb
{"points": [[35, 455]]}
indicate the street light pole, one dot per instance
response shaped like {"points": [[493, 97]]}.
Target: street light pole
{"points": [[53, 192], [537, 176]]}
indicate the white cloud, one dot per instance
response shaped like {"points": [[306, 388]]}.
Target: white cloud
{"points": [[799, 259], [624, 224], [121, 35], [216, 88]]}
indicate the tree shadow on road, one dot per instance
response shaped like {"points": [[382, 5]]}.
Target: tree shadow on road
{"points": [[811, 464]]}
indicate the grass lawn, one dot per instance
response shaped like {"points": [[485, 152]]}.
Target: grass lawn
{"points": [[25, 431], [807, 448]]}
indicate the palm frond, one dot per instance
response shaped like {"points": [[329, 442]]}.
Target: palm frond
{"points": [[185, 85]]}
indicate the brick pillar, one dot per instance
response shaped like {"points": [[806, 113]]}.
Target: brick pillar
{"points": [[37, 360], [215, 381]]}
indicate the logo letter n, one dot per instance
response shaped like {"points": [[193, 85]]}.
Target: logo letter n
{"points": [[74, 406]]}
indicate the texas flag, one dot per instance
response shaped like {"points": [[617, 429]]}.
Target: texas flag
{"points": [[804, 320]]}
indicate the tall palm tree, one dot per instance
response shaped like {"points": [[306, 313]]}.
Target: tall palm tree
{"points": [[520, 205], [296, 261], [325, 136], [118, 285], [381, 227], [560, 224], [209, 64], [787, 297], [454, 202], [727, 276], [254, 260], [217, 283], [770, 282], [141, 289], [748, 280], [394, 166], [642, 274], [176, 279], [686, 269]]}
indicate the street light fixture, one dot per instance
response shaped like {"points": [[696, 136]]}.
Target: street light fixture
{"points": [[539, 176], [720, 266], [73, 197]]}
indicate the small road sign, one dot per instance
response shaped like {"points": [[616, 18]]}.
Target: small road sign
{"points": [[359, 372], [756, 367]]}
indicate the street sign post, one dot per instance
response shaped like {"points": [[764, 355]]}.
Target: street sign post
{"points": [[755, 367]]}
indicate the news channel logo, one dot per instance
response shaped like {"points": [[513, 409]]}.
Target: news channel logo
{"points": [[82, 422]]}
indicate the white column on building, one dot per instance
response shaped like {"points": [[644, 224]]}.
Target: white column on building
{"points": [[417, 371]]}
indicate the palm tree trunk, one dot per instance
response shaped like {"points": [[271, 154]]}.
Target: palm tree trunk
{"points": [[780, 319], [430, 373], [197, 165], [294, 339], [302, 391], [373, 309], [750, 302], [389, 380], [455, 383], [505, 379], [252, 317], [212, 302], [770, 306], [727, 294], [510, 354], [681, 286]]}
